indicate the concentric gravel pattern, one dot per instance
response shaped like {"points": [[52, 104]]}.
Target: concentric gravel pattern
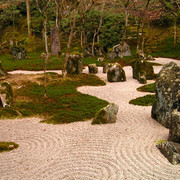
{"points": [[124, 150]]}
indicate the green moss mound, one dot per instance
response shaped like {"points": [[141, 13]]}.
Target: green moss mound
{"points": [[8, 146], [147, 100], [147, 88], [63, 104]]}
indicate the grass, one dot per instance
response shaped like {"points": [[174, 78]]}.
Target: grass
{"points": [[8, 146], [147, 100], [35, 63], [63, 104], [160, 141], [166, 49], [147, 88]]}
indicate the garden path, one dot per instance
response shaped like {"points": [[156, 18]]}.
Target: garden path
{"points": [[124, 150]]}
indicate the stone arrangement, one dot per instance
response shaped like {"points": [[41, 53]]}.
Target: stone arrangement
{"points": [[115, 73], [142, 70], [98, 50], [93, 69], [6, 94], [118, 50], [74, 64], [106, 115], [18, 53], [166, 109]]}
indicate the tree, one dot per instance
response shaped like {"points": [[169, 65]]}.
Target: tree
{"points": [[28, 17], [42, 6], [172, 6], [96, 31]]}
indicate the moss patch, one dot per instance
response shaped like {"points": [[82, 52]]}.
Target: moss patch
{"points": [[8, 146], [147, 88], [99, 117], [147, 100], [63, 104]]}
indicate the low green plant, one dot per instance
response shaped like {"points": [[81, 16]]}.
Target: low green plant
{"points": [[160, 141], [8, 146], [147, 88], [147, 100], [63, 104]]}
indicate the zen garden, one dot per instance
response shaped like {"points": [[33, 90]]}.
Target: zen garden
{"points": [[90, 89]]}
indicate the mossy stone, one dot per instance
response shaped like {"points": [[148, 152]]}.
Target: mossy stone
{"points": [[142, 65], [6, 94]]}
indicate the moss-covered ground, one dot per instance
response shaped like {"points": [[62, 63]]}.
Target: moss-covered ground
{"points": [[147, 100], [8, 146], [147, 88], [63, 104]]}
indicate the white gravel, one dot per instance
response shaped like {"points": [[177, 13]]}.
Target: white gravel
{"points": [[124, 150]]}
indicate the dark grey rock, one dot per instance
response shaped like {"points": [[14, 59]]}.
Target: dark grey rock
{"points": [[106, 115], [98, 50], [174, 131], [171, 151], [167, 94], [115, 73], [74, 64], [93, 69]]}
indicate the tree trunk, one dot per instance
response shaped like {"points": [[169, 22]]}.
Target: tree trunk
{"points": [[142, 39], [47, 55], [175, 32], [138, 39], [69, 43], [57, 26], [28, 17], [99, 27], [93, 43]]}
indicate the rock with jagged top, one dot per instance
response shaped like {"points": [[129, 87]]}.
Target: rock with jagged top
{"points": [[115, 73], [74, 64]]}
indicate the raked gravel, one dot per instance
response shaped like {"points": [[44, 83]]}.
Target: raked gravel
{"points": [[81, 151]]}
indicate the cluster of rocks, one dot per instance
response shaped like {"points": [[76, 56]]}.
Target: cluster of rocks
{"points": [[98, 50], [142, 70], [166, 109], [119, 50], [18, 53]]}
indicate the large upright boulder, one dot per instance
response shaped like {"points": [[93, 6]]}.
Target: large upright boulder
{"points": [[106, 115], [167, 94], [54, 41], [118, 50], [115, 73], [6, 94], [18, 52], [74, 64], [142, 68]]}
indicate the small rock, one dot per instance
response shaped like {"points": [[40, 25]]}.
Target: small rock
{"points": [[171, 151], [93, 69], [106, 115]]}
